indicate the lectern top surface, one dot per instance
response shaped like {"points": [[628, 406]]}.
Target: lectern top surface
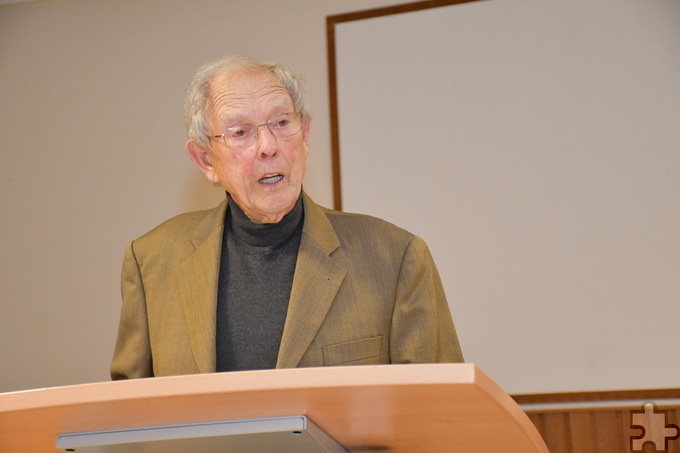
{"points": [[400, 408]]}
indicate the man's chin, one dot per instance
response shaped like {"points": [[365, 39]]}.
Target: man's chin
{"points": [[272, 212]]}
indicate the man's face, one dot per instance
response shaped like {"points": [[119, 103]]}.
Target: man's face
{"points": [[265, 179]]}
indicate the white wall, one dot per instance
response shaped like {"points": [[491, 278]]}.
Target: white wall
{"points": [[93, 153]]}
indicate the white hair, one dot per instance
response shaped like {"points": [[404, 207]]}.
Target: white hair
{"points": [[198, 101]]}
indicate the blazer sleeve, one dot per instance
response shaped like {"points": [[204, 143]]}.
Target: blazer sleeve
{"points": [[132, 355], [422, 328]]}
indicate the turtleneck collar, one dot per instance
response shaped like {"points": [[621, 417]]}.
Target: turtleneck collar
{"points": [[263, 234]]}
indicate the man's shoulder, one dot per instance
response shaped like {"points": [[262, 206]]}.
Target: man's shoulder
{"points": [[185, 226], [364, 228]]}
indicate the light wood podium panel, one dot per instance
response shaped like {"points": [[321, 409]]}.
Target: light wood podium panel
{"points": [[418, 408]]}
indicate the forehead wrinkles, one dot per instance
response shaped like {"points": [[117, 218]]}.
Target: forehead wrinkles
{"points": [[240, 94]]}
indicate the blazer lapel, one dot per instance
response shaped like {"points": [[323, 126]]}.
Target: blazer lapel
{"points": [[317, 280], [198, 287]]}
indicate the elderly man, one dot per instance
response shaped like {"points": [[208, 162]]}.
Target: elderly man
{"points": [[269, 279]]}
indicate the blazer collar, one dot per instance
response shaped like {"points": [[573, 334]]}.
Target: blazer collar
{"points": [[198, 286], [316, 282]]}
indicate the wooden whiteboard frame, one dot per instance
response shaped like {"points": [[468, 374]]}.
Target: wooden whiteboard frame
{"points": [[565, 269], [331, 21]]}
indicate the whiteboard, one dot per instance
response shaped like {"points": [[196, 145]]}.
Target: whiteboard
{"points": [[535, 146]]}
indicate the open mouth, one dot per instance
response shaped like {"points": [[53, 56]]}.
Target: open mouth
{"points": [[271, 179]]}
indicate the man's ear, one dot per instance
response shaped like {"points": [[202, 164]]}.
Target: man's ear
{"points": [[306, 130], [201, 157]]}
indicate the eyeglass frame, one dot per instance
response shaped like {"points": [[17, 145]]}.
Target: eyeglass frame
{"points": [[256, 129]]}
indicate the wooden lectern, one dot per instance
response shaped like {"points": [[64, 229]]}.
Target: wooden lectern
{"points": [[415, 408]]}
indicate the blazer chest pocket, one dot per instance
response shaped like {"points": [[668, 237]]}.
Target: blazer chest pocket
{"points": [[351, 352]]}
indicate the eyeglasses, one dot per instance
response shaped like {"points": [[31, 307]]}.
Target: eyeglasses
{"points": [[241, 136]]}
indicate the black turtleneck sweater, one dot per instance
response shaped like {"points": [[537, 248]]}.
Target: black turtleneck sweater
{"points": [[256, 276]]}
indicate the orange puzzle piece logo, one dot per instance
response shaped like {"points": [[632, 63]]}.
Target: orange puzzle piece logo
{"points": [[654, 427]]}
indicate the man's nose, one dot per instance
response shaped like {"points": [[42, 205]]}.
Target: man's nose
{"points": [[265, 140]]}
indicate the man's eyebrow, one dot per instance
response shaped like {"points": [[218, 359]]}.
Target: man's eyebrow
{"points": [[234, 121], [231, 119], [239, 118]]}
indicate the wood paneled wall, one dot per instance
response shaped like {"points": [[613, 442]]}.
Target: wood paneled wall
{"points": [[598, 422]]}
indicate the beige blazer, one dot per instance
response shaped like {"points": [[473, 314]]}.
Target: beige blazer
{"points": [[364, 292]]}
